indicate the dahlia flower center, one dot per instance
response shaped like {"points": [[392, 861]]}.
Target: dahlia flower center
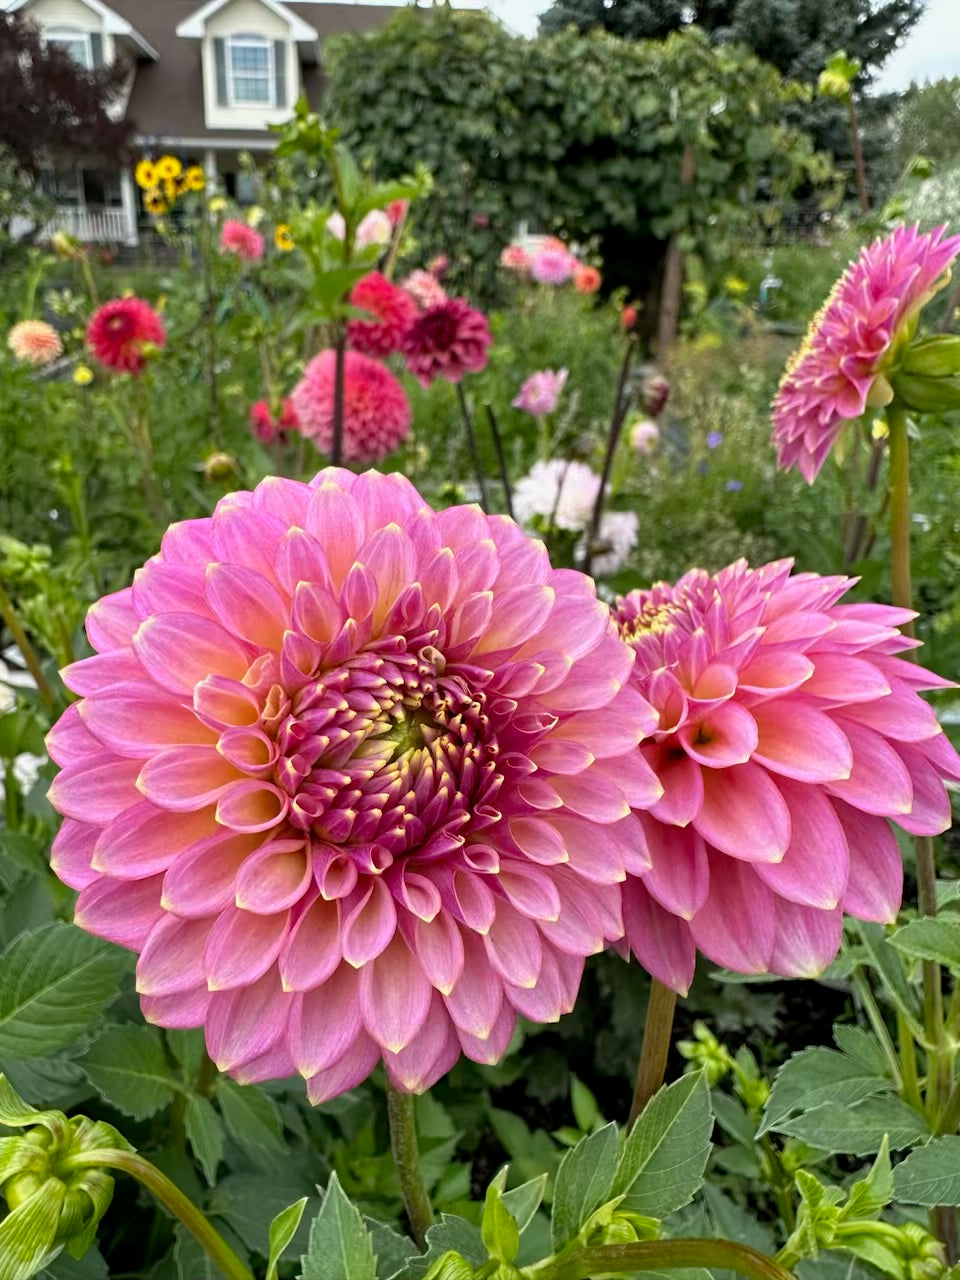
{"points": [[437, 329], [383, 752]]}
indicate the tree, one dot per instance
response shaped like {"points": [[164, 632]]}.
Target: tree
{"points": [[49, 105], [927, 123]]}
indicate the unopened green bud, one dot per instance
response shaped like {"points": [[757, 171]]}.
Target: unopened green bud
{"points": [[450, 1266], [925, 394], [933, 357], [619, 1231], [707, 1053]]}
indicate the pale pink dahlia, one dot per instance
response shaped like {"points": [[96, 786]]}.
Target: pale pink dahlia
{"points": [[34, 342], [242, 240], [839, 369], [354, 777], [541, 392], [790, 732], [447, 341], [552, 265], [424, 288], [515, 258], [395, 312], [376, 411]]}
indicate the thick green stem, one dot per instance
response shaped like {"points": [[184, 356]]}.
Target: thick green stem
{"points": [[22, 641], [169, 1195], [660, 1255], [657, 1030], [406, 1156]]}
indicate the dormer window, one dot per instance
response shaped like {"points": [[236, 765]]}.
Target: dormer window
{"points": [[252, 76], [84, 47]]}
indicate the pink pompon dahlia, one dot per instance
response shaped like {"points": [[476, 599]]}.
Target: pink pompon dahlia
{"points": [[515, 258], [354, 778], [552, 265], [790, 732], [424, 288], [447, 341], [34, 342], [840, 367], [242, 240], [376, 411], [270, 429], [121, 333], [395, 312], [541, 392]]}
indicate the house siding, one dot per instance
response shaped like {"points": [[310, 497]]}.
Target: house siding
{"points": [[247, 17]]}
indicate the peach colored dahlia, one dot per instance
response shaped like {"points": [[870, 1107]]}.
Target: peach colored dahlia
{"points": [[839, 369], [394, 311], [790, 734], [34, 342], [376, 411], [354, 778]]}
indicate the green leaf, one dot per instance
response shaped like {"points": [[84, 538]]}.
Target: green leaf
{"points": [[340, 1247], [188, 1049], [498, 1227], [90, 1267], [205, 1131], [930, 1175], [663, 1159], [733, 1119], [889, 965], [282, 1230], [192, 1260], [874, 1192], [585, 1109], [862, 1047], [251, 1116], [392, 1250], [54, 982], [524, 1201], [817, 1076], [584, 1182], [244, 1201], [931, 938], [128, 1067], [858, 1130]]}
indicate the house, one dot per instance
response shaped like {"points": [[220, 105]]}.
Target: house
{"points": [[205, 83]]}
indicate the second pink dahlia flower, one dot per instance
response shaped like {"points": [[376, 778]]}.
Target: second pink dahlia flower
{"points": [[790, 734], [541, 392], [447, 341], [376, 411], [839, 369], [424, 288], [121, 332], [393, 308], [552, 264], [354, 778], [244, 241]]}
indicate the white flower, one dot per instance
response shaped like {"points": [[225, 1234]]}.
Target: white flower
{"points": [[616, 539], [564, 493], [375, 228]]}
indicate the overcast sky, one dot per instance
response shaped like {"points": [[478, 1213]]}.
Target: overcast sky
{"points": [[932, 50]]}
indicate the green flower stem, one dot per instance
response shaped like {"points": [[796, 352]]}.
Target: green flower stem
{"points": [[339, 376], [879, 1027], [21, 640], [620, 404], [501, 458], [908, 1063], [659, 1255], [472, 445], [657, 1031], [169, 1195], [406, 1156]]}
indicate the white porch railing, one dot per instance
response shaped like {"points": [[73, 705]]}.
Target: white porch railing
{"points": [[92, 226]]}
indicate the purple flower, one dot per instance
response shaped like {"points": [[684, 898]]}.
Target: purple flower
{"points": [[714, 439], [733, 486]]}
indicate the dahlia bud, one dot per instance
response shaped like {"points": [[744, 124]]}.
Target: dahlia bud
{"points": [[937, 357], [65, 246], [619, 1231], [927, 395], [219, 466], [707, 1053], [450, 1266], [54, 1200], [655, 392], [924, 1254]]}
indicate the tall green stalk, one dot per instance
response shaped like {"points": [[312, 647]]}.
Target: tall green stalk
{"points": [[406, 1156], [657, 1030]]}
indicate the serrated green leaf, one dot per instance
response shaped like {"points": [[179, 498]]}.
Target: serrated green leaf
{"points": [[282, 1230], [340, 1247], [246, 1200], [862, 1047], [392, 1250], [874, 1192], [188, 1049], [887, 962], [733, 1119], [817, 1076], [859, 1130], [931, 1174], [91, 1266], [663, 1159], [931, 938], [205, 1132], [584, 1182], [128, 1067], [524, 1201], [191, 1259], [251, 1115], [54, 982]]}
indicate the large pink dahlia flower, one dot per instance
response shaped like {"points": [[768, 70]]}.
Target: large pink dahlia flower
{"points": [[355, 779], [790, 732], [839, 369], [376, 411]]}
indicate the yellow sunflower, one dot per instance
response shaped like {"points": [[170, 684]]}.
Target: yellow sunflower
{"points": [[155, 202], [282, 238], [146, 174], [195, 179], [169, 167], [180, 186]]}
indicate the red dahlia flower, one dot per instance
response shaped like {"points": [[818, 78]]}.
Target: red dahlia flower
{"points": [[395, 312], [447, 341], [120, 331]]}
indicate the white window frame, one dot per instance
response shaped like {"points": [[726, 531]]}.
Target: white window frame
{"points": [[251, 40], [62, 34]]}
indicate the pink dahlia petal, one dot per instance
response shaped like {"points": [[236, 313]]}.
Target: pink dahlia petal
{"points": [[336, 774], [789, 735], [829, 379], [376, 411], [393, 308], [660, 940]]}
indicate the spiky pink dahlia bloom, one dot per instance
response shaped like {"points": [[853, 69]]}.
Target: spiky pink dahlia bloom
{"points": [[354, 778], [447, 341], [242, 240], [34, 342], [394, 309], [552, 264], [839, 368], [376, 411], [541, 392], [121, 332], [790, 733]]}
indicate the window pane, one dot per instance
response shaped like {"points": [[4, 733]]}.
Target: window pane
{"points": [[76, 46], [250, 58], [246, 89], [251, 71]]}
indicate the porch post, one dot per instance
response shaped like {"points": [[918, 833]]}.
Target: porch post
{"points": [[210, 168], [128, 198]]}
